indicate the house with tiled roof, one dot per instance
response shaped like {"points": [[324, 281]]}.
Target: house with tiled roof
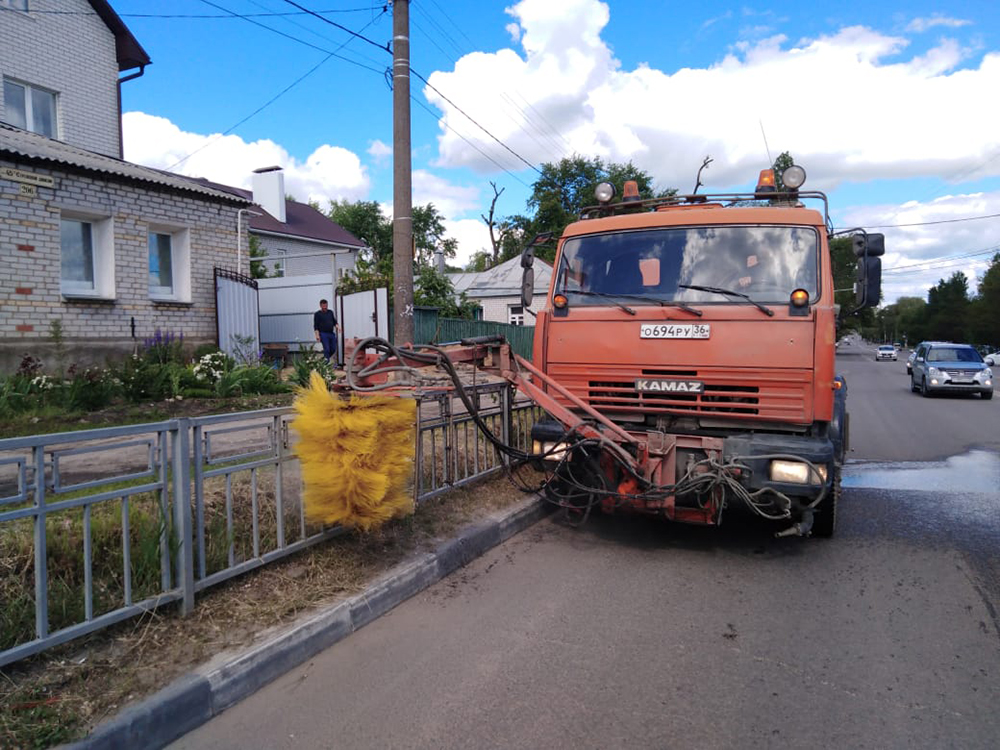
{"points": [[296, 238], [498, 290]]}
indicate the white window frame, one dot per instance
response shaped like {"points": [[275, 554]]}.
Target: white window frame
{"points": [[102, 238], [515, 319], [180, 263], [29, 115]]}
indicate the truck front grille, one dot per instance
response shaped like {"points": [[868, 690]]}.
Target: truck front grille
{"points": [[751, 393]]}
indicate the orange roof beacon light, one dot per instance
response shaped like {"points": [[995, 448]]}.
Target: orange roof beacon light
{"points": [[604, 192], [560, 301], [630, 191], [765, 184]]}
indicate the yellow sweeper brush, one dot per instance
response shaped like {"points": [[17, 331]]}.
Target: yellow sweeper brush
{"points": [[356, 455]]}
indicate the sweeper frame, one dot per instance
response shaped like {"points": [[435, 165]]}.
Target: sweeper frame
{"points": [[588, 460]]}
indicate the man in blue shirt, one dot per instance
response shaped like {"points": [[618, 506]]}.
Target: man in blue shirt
{"points": [[325, 325]]}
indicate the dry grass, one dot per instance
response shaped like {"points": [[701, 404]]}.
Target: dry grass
{"points": [[60, 695]]}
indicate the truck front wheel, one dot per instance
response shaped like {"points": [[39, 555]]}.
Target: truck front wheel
{"points": [[825, 520]]}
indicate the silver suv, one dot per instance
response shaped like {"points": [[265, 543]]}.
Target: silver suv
{"points": [[943, 367]]}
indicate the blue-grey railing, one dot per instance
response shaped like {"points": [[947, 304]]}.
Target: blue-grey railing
{"points": [[228, 484]]}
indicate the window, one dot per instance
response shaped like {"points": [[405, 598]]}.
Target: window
{"points": [[87, 265], [30, 108], [77, 239], [169, 264], [515, 315], [14, 4], [161, 261]]}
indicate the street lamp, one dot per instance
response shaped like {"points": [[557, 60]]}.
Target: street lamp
{"points": [[239, 234]]}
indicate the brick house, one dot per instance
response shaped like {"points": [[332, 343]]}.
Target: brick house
{"points": [[111, 249], [60, 62], [498, 290]]}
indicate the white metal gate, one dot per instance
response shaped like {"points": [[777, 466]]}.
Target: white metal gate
{"points": [[236, 314], [365, 314], [287, 305]]}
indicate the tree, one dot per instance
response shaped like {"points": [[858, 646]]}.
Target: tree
{"points": [[563, 189], [783, 162], [434, 289], [366, 221], [258, 268], [984, 312], [498, 228], [948, 307]]}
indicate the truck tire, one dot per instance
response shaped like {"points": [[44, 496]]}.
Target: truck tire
{"points": [[825, 518]]}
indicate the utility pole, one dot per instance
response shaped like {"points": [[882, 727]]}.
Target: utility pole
{"points": [[402, 193]]}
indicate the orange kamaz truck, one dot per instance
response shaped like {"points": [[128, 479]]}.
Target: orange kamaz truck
{"points": [[697, 333]]}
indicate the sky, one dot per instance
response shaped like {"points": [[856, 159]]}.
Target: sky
{"points": [[891, 107]]}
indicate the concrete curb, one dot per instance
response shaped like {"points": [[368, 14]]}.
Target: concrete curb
{"points": [[195, 698]]}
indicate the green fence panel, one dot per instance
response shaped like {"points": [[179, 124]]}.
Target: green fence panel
{"points": [[429, 328]]}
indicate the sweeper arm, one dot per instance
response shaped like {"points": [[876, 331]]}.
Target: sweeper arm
{"points": [[370, 371]]}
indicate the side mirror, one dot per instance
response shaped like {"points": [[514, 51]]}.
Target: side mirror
{"points": [[868, 287], [528, 257], [527, 286], [868, 245]]}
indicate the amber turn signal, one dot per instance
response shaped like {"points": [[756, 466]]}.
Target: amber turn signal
{"points": [[800, 298], [560, 301]]}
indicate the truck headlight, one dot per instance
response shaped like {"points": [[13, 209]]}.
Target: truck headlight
{"points": [[795, 472], [558, 450]]}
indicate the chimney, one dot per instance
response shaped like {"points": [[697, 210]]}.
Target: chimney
{"points": [[269, 191]]}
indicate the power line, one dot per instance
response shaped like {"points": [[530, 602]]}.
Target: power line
{"points": [[937, 263], [928, 223], [473, 120], [415, 73], [197, 15], [281, 93]]}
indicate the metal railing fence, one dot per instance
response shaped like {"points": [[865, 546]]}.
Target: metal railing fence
{"points": [[93, 523]]}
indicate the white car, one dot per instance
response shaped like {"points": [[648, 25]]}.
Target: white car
{"points": [[885, 352], [993, 360]]}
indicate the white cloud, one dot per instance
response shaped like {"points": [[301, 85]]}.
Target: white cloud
{"points": [[472, 236], [379, 150], [849, 106], [449, 199], [919, 25], [328, 173], [515, 32], [917, 257]]}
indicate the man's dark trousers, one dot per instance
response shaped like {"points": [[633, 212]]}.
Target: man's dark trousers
{"points": [[329, 342]]}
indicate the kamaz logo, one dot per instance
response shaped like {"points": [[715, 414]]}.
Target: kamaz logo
{"points": [[669, 386]]}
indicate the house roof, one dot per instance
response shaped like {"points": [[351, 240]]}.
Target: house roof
{"points": [[301, 220], [37, 149], [503, 280], [129, 52]]}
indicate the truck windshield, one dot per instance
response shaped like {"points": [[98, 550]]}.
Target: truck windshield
{"points": [[766, 263]]}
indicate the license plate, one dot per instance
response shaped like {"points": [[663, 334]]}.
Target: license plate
{"points": [[675, 331]]}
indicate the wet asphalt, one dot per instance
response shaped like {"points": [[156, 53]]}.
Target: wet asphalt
{"points": [[627, 633]]}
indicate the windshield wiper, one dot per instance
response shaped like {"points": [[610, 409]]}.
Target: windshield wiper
{"points": [[664, 303], [728, 293], [611, 297]]}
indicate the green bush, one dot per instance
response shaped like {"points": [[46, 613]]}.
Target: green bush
{"points": [[89, 390], [261, 379], [143, 380], [306, 362]]}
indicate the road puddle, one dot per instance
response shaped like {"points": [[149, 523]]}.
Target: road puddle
{"points": [[975, 472]]}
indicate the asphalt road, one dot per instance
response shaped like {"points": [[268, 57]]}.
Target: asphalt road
{"points": [[630, 633]]}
